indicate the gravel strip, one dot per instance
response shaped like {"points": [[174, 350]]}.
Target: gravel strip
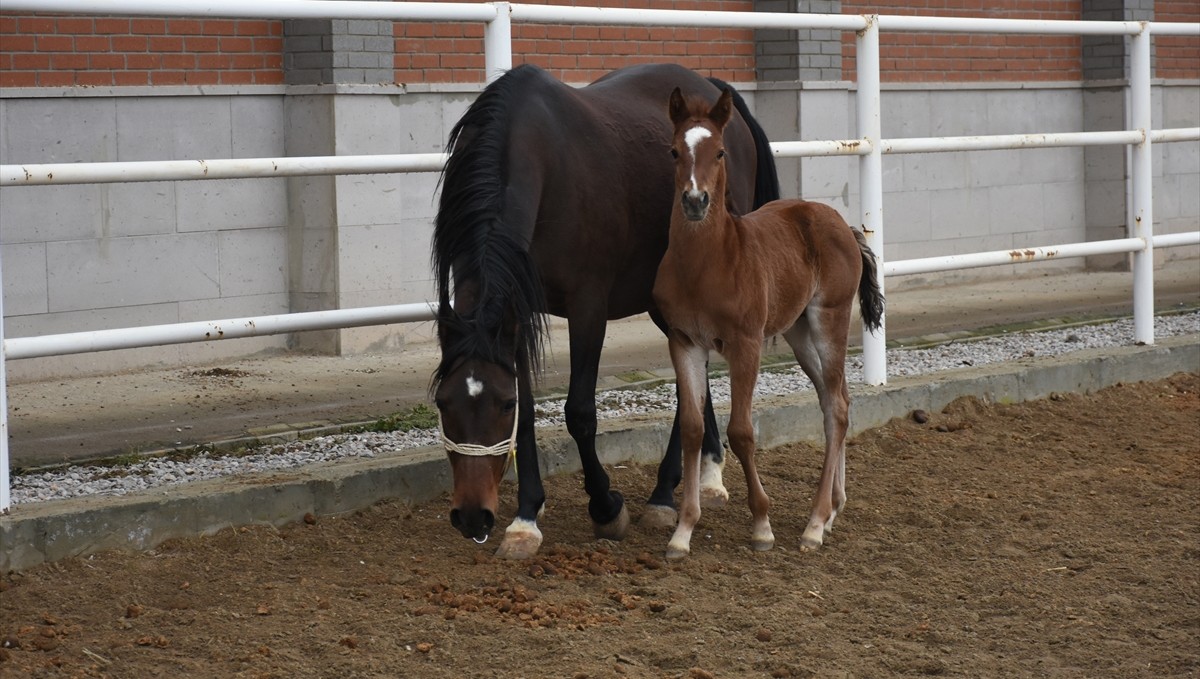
{"points": [[155, 472]]}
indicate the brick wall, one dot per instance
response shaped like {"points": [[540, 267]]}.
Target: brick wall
{"points": [[1177, 57], [440, 53], [949, 57], [52, 51]]}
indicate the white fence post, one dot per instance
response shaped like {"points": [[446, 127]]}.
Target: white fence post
{"points": [[1143, 192], [870, 185], [5, 496], [497, 42]]}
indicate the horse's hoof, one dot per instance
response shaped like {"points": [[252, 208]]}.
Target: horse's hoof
{"points": [[763, 545], [714, 497], [659, 516], [521, 541], [675, 553], [812, 538], [763, 539], [615, 529]]}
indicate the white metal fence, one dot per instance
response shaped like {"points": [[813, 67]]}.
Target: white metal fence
{"points": [[497, 18]]}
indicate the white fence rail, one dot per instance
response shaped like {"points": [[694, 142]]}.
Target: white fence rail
{"points": [[497, 18]]}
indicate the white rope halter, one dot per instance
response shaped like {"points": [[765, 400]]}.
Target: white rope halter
{"points": [[506, 447]]}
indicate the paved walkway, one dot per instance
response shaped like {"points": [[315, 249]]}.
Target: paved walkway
{"points": [[62, 420]]}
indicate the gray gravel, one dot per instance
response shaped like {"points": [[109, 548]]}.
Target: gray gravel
{"points": [[156, 472]]}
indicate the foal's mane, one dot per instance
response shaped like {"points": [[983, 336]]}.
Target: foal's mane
{"points": [[470, 236]]}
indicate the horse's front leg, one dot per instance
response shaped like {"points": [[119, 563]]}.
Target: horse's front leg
{"points": [[610, 517], [522, 538], [689, 361], [743, 358]]}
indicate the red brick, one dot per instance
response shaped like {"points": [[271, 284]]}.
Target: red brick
{"points": [[178, 61], [147, 62], [237, 77], [90, 43], [8, 24], [17, 43], [147, 26], [83, 25], [56, 79], [111, 26], [36, 24], [202, 78], [185, 27], [69, 62], [219, 27], [131, 78], [236, 44], [200, 44], [167, 78], [272, 77], [129, 43], [94, 78], [55, 43], [272, 45], [18, 79], [31, 62], [106, 62], [164, 43]]}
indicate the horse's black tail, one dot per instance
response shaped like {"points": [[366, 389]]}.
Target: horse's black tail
{"points": [[870, 297], [766, 179]]}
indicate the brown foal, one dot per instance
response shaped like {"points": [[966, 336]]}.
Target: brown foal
{"points": [[726, 283]]}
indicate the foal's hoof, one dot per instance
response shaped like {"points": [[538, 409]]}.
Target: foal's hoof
{"points": [[659, 516], [615, 529], [812, 539]]}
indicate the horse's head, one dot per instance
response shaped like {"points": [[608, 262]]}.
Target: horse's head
{"points": [[477, 405], [698, 147]]}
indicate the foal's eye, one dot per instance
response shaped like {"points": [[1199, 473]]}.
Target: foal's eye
{"points": [[674, 154], [720, 154]]}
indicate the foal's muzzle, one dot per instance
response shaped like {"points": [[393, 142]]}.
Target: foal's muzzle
{"points": [[694, 204]]}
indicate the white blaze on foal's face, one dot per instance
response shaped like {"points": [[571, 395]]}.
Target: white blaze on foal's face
{"points": [[474, 386], [692, 138]]}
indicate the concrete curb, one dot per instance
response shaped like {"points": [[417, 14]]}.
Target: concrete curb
{"points": [[50, 531]]}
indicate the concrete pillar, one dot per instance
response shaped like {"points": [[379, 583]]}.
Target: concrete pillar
{"points": [[1105, 80]]}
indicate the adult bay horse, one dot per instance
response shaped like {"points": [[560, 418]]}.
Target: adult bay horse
{"points": [[557, 200], [726, 283]]}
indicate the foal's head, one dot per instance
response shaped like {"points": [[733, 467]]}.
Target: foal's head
{"points": [[698, 147]]}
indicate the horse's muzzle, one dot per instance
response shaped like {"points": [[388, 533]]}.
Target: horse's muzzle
{"points": [[476, 524], [694, 204]]}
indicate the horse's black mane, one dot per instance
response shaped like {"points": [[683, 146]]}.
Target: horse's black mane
{"points": [[470, 236]]}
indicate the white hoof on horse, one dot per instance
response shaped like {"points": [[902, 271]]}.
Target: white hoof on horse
{"points": [[712, 484], [763, 539], [813, 538], [615, 529], [522, 540], [658, 516], [675, 552], [680, 544]]}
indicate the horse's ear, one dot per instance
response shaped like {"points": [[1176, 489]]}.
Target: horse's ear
{"points": [[678, 107], [722, 110]]}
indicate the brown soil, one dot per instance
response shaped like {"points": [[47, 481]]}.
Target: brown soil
{"points": [[1057, 538]]}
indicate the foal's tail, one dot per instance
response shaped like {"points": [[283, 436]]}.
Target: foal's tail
{"points": [[870, 297], [766, 179]]}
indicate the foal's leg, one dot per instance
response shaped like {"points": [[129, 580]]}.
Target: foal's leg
{"points": [[610, 518], [743, 358], [689, 361], [818, 341], [660, 506]]}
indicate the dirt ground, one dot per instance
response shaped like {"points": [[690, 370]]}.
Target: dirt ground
{"points": [[1057, 538]]}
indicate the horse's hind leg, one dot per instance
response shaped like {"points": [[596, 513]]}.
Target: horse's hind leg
{"points": [[818, 341], [610, 518]]}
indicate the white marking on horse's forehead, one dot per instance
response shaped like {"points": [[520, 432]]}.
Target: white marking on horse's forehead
{"points": [[694, 136], [474, 386]]}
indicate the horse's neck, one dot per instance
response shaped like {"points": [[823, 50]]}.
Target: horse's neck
{"points": [[717, 236]]}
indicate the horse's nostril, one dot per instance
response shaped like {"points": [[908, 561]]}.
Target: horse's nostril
{"points": [[475, 524], [704, 199]]}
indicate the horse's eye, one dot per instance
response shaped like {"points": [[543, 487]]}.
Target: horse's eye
{"points": [[674, 154], [510, 405], [720, 154]]}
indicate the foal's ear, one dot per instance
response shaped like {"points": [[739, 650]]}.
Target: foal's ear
{"points": [[678, 107], [722, 110]]}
